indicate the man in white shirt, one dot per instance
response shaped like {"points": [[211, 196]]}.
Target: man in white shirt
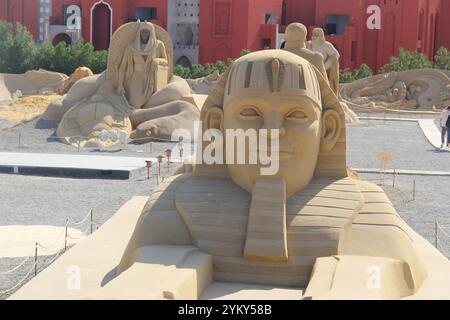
{"points": [[445, 124]]}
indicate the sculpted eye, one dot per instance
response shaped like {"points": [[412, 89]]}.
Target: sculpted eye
{"points": [[249, 113], [297, 115]]}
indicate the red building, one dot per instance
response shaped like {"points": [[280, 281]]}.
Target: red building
{"points": [[229, 26], [410, 24], [210, 30]]}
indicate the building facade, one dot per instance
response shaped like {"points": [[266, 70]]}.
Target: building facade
{"points": [[209, 30]]}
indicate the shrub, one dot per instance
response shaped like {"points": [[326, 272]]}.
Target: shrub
{"points": [[442, 59], [407, 60], [346, 76], [363, 71], [17, 48]]}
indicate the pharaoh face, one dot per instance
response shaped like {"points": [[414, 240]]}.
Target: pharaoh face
{"points": [[297, 120], [271, 94]]}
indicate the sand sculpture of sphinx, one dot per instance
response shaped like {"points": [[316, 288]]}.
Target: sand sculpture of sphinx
{"points": [[138, 92], [311, 230]]}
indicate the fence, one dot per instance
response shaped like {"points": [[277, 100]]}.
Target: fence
{"points": [[37, 267]]}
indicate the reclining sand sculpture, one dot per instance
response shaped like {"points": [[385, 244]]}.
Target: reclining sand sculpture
{"points": [[30, 83], [310, 231], [424, 90], [137, 94]]}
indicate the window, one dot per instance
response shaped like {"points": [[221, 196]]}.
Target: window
{"points": [[336, 23], [146, 13], [271, 18]]}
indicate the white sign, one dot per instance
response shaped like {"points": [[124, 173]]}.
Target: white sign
{"points": [[73, 21]]}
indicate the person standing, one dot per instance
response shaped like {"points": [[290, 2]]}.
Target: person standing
{"points": [[445, 127]]}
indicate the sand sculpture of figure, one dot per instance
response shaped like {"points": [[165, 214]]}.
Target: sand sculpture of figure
{"points": [[407, 90], [311, 230], [137, 94], [296, 41], [296, 35], [139, 63], [330, 56]]}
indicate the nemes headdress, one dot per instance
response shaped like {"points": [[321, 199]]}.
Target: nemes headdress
{"points": [[286, 74]]}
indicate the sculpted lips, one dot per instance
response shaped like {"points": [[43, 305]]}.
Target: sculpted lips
{"points": [[285, 151]]}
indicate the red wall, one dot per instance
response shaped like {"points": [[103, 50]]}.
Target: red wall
{"points": [[229, 26], [22, 11]]}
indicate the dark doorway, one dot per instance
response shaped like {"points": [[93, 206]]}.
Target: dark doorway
{"points": [[184, 61], [101, 26], [62, 37]]}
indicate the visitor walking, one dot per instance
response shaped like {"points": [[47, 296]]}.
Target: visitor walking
{"points": [[445, 128]]}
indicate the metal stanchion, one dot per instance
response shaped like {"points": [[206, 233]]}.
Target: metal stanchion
{"points": [[35, 258], [92, 220], [65, 237], [436, 233], [414, 190], [149, 168]]}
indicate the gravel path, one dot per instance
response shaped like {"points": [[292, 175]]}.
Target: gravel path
{"points": [[30, 137], [404, 140]]}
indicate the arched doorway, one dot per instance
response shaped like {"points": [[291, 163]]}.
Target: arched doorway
{"points": [[62, 37], [101, 17], [184, 61]]}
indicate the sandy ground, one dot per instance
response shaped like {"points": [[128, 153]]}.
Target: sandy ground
{"points": [[26, 108], [19, 240]]}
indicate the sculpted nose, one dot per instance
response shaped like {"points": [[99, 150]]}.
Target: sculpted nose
{"points": [[273, 121]]}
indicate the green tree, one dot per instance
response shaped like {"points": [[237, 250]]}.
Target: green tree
{"points": [[442, 59], [17, 48], [362, 72]]}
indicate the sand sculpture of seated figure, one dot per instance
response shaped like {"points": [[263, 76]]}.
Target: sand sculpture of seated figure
{"points": [[330, 56], [138, 70], [310, 226], [138, 92]]}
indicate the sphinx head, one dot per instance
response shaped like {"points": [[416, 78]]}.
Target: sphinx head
{"points": [[277, 90]]}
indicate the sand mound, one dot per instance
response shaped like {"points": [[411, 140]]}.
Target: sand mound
{"points": [[26, 108], [34, 82]]}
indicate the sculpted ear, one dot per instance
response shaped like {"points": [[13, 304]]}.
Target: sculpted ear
{"points": [[331, 130], [213, 119]]}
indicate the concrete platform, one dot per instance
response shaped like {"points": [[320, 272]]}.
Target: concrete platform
{"points": [[74, 166]]}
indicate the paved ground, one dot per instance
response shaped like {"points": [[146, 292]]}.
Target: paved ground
{"points": [[74, 165], [403, 140]]}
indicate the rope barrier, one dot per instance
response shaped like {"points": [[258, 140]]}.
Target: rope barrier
{"points": [[442, 230], [20, 282], [83, 220], [3, 273], [53, 245]]}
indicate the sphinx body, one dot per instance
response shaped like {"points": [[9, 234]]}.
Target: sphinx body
{"points": [[137, 94], [310, 230]]}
